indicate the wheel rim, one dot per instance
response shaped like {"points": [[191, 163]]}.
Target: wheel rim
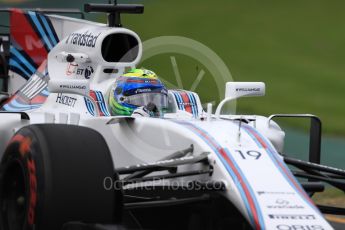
{"points": [[13, 200]]}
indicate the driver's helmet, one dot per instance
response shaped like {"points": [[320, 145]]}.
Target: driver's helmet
{"points": [[136, 88]]}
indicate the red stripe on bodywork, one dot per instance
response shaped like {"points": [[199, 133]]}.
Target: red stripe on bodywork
{"points": [[262, 142], [245, 188], [25, 36], [232, 166], [94, 97], [41, 69], [186, 102], [39, 99], [297, 186]]}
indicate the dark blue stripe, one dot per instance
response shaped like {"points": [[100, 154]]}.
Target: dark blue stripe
{"points": [[181, 103], [34, 18], [195, 104], [178, 101], [15, 65], [88, 106], [49, 29], [15, 53], [100, 98], [194, 110]]}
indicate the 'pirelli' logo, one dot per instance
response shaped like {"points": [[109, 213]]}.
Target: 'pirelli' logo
{"points": [[291, 217]]}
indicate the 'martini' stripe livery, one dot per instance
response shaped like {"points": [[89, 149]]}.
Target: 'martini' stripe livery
{"points": [[247, 193], [32, 37], [32, 95], [186, 101], [102, 108]]}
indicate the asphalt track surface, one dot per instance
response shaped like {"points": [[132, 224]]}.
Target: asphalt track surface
{"points": [[338, 226], [338, 222]]}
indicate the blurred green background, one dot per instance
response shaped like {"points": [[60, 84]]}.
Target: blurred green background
{"points": [[296, 47]]}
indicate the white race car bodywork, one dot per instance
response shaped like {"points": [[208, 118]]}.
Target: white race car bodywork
{"points": [[242, 154], [257, 180]]}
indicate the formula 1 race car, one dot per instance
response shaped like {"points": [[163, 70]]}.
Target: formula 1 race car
{"points": [[67, 163]]}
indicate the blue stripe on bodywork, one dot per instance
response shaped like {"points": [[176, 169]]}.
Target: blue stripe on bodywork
{"points": [[275, 158], [231, 172], [49, 29], [33, 16], [101, 102], [193, 103], [20, 57], [16, 64], [252, 193], [179, 100], [89, 106], [45, 92]]}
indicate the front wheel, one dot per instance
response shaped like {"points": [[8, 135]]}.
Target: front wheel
{"points": [[51, 174]]}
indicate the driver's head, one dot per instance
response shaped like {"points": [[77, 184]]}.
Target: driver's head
{"points": [[136, 88]]}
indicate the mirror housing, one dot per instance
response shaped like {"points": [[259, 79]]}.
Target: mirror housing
{"points": [[244, 89], [234, 90]]}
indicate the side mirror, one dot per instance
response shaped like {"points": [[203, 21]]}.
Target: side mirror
{"points": [[234, 90], [244, 89]]}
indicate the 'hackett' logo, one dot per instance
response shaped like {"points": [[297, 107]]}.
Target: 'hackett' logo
{"points": [[65, 100]]}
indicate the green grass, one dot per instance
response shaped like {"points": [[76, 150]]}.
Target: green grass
{"points": [[296, 47], [330, 197]]}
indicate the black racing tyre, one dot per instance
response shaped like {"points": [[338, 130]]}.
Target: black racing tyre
{"points": [[3, 99], [83, 226], [51, 174]]}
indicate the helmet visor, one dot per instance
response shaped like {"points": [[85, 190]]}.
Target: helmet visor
{"points": [[159, 99]]}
